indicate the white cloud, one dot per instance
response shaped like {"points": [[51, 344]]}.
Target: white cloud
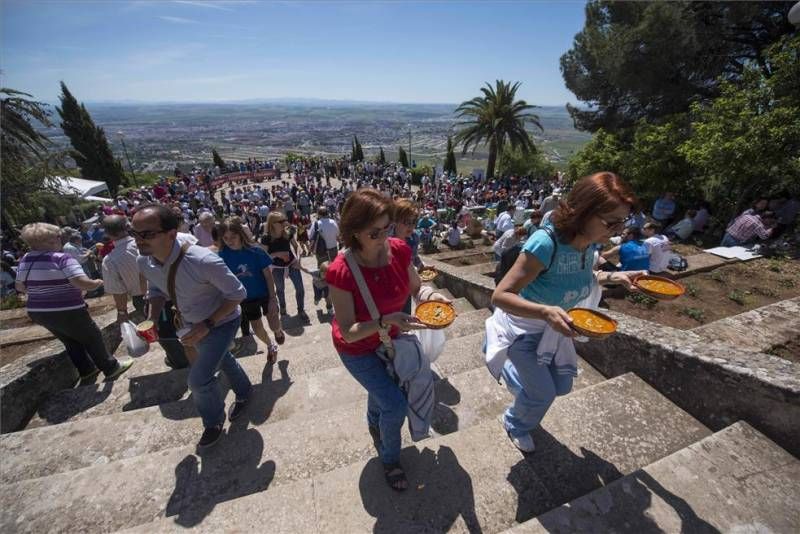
{"points": [[178, 20], [209, 5]]}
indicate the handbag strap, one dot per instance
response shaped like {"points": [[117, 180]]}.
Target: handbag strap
{"points": [[383, 333], [173, 271]]}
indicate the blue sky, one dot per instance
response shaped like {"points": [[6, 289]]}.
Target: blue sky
{"points": [[235, 50]]}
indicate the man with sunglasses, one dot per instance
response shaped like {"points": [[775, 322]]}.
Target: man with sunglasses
{"points": [[207, 295]]}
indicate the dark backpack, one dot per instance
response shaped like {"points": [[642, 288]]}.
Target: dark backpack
{"points": [[320, 248], [510, 256]]}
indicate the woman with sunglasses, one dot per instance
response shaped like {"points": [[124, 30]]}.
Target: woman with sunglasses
{"points": [[282, 247], [391, 278], [251, 265], [553, 273]]}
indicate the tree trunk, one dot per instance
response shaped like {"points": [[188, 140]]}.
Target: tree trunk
{"points": [[492, 159]]}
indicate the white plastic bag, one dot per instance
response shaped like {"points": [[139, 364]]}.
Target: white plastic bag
{"points": [[432, 342], [136, 346]]}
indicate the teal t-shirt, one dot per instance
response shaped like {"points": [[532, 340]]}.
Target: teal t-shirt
{"points": [[570, 277]]}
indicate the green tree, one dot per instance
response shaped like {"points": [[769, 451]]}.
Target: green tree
{"points": [[605, 152], [648, 60], [218, 161], [518, 162], [495, 119], [402, 157], [90, 150], [381, 157], [746, 142], [356, 152], [450, 158]]}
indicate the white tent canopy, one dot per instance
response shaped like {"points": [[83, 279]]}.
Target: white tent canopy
{"points": [[82, 187]]}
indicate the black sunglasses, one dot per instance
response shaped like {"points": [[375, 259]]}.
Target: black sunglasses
{"points": [[146, 234]]}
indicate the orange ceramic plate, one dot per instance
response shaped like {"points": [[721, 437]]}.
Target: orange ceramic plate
{"points": [[435, 314], [592, 323], [659, 287], [427, 274]]}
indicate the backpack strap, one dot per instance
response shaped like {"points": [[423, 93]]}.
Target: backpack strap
{"points": [[173, 271], [552, 235]]}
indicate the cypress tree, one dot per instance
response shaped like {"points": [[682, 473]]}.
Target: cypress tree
{"points": [[218, 161], [402, 157], [450, 159], [382, 157], [359, 150], [353, 155], [90, 148]]}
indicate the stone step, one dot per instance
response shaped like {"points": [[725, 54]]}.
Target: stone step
{"points": [[734, 480], [335, 438], [471, 480], [462, 305], [316, 354], [99, 440]]}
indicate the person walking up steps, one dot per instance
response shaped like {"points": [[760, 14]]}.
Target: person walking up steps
{"points": [[251, 265], [206, 295], [529, 338], [282, 247]]}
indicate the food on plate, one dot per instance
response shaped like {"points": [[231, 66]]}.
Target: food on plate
{"points": [[592, 323], [659, 287], [427, 274], [435, 314]]}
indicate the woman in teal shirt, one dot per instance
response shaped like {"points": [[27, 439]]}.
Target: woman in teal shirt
{"points": [[548, 278]]}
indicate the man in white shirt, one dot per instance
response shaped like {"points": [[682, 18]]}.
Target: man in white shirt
{"points": [[504, 221], [121, 277], [324, 237], [658, 246]]}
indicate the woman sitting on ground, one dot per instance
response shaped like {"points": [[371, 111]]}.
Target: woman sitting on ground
{"points": [[552, 274], [251, 265], [391, 279], [55, 282]]}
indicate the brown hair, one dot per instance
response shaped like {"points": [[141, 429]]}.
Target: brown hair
{"points": [[404, 210], [235, 226], [362, 208], [601, 192]]}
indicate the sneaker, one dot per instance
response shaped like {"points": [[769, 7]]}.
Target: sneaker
{"points": [[123, 366], [524, 443], [210, 436], [237, 409], [90, 375]]}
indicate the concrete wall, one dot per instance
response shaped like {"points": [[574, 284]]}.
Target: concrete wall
{"points": [[710, 377], [27, 381]]}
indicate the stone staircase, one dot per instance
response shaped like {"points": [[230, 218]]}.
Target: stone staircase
{"points": [[613, 455]]}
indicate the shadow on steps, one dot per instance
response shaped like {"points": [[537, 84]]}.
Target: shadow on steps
{"points": [[434, 506]]}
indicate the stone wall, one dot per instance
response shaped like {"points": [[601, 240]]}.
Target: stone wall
{"points": [[708, 375], [25, 382]]}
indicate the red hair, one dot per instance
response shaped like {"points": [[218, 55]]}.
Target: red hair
{"points": [[602, 192]]}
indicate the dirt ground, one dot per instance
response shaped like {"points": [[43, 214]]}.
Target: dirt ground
{"points": [[470, 259], [725, 291]]}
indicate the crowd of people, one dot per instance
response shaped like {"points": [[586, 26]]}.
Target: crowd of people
{"points": [[207, 253]]}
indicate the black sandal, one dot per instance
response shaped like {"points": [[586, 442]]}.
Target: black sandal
{"points": [[395, 476], [375, 432]]}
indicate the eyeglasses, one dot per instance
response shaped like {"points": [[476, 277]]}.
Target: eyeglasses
{"points": [[612, 225], [379, 234], [146, 234]]}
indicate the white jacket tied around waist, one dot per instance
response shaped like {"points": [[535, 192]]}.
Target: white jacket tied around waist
{"points": [[502, 329]]}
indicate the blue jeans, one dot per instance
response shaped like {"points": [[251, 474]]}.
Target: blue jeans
{"points": [[729, 241], [386, 403], [297, 281], [534, 386], [213, 354]]}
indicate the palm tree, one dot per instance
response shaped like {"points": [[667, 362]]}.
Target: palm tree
{"points": [[496, 119]]}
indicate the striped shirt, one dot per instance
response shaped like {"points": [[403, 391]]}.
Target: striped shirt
{"points": [[120, 272], [46, 277]]}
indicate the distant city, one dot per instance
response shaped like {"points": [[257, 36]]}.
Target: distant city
{"points": [[160, 136]]}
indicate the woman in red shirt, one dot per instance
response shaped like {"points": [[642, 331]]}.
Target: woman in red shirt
{"points": [[391, 279]]}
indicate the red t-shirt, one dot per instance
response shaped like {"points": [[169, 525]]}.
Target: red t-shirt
{"points": [[389, 286]]}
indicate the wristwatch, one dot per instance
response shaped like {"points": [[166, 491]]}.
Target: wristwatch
{"points": [[209, 323]]}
